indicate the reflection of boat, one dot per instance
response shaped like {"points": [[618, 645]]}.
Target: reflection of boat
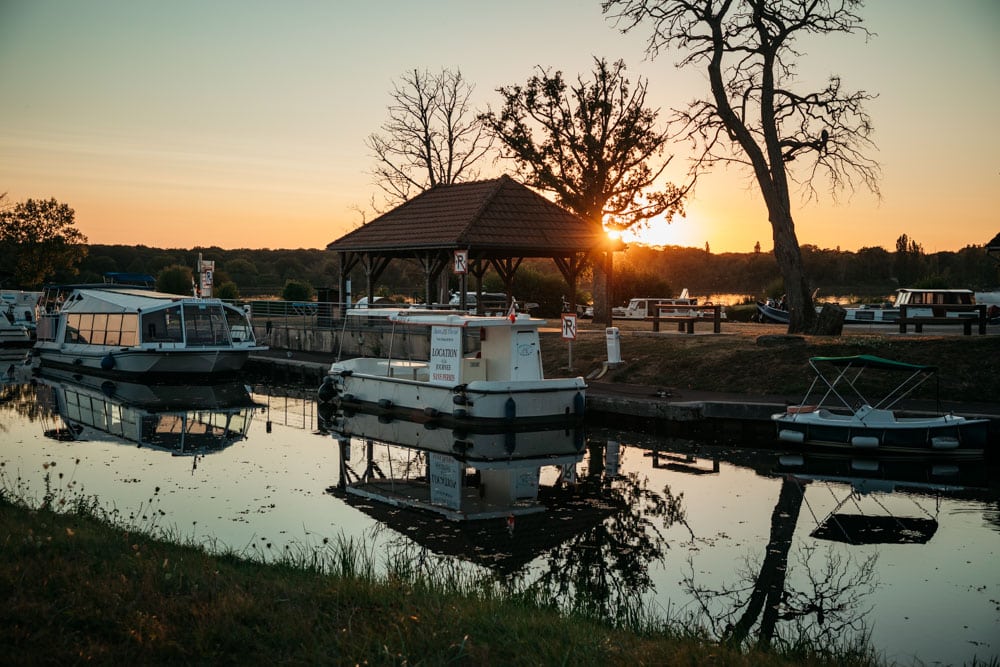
{"points": [[501, 382], [15, 367], [460, 474], [860, 425], [872, 484], [17, 318], [129, 330], [182, 419]]}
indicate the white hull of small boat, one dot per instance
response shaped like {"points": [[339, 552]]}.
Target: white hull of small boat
{"points": [[140, 360], [882, 430]]}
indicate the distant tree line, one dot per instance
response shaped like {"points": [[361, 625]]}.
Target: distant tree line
{"points": [[304, 274], [41, 246]]}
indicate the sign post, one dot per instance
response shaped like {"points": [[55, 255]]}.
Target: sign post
{"points": [[460, 266], [569, 334]]}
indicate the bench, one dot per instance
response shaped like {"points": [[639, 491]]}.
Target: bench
{"points": [[685, 323], [966, 316]]}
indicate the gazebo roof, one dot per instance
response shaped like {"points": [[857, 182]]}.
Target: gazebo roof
{"points": [[994, 245], [498, 217]]}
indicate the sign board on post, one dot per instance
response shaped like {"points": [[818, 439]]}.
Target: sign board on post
{"points": [[206, 267], [569, 326], [461, 262], [446, 355]]}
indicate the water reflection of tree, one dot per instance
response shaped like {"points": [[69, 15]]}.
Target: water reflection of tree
{"points": [[603, 572], [827, 611], [28, 401]]}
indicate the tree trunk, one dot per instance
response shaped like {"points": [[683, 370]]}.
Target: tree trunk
{"points": [[603, 288], [830, 321], [801, 312]]}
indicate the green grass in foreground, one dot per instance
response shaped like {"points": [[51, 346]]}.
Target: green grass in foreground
{"points": [[80, 588]]}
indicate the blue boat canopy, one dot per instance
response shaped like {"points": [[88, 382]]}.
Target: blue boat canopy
{"points": [[871, 361]]}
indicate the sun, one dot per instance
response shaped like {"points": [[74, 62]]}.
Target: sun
{"points": [[658, 233]]}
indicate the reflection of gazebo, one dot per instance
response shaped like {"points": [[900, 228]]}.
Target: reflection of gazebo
{"points": [[498, 222]]}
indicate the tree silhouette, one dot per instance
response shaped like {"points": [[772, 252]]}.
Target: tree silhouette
{"points": [[753, 117], [432, 136], [38, 239], [595, 146]]}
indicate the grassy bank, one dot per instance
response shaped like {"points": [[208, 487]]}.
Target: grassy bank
{"points": [[737, 361], [82, 589]]}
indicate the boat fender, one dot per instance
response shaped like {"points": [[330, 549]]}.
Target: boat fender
{"points": [[430, 426], [348, 398], [865, 441], [579, 403], [460, 399], [510, 408], [346, 373], [786, 435], [108, 362], [944, 442], [459, 388], [431, 412], [327, 390], [108, 388], [384, 403], [460, 413]]}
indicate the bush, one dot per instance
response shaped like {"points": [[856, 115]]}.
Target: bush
{"points": [[297, 290]]}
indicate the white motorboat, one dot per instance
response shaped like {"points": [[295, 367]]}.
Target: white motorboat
{"points": [[479, 369], [134, 331], [859, 424], [17, 318], [683, 305], [920, 302]]}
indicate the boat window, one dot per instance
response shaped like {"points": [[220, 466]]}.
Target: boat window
{"points": [[113, 329], [72, 334], [205, 325], [239, 326], [129, 330], [162, 326], [98, 329]]}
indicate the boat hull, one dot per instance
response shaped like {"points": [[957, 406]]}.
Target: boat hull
{"points": [[140, 361], [946, 435], [477, 402]]}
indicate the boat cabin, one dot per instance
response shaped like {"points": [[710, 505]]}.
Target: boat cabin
{"points": [[934, 297]]}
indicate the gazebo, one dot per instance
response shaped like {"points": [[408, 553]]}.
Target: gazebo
{"points": [[481, 224]]}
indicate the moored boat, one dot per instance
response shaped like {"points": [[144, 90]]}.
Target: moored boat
{"points": [[845, 418], [479, 370], [17, 318], [132, 331]]}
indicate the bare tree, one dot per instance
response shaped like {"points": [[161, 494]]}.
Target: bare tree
{"points": [[432, 136], [593, 145], [754, 118]]}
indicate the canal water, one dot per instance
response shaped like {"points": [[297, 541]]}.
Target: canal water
{"points": [[743, 542]]}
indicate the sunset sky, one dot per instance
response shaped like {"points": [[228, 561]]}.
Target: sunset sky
{"points": [[243, 123]]}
